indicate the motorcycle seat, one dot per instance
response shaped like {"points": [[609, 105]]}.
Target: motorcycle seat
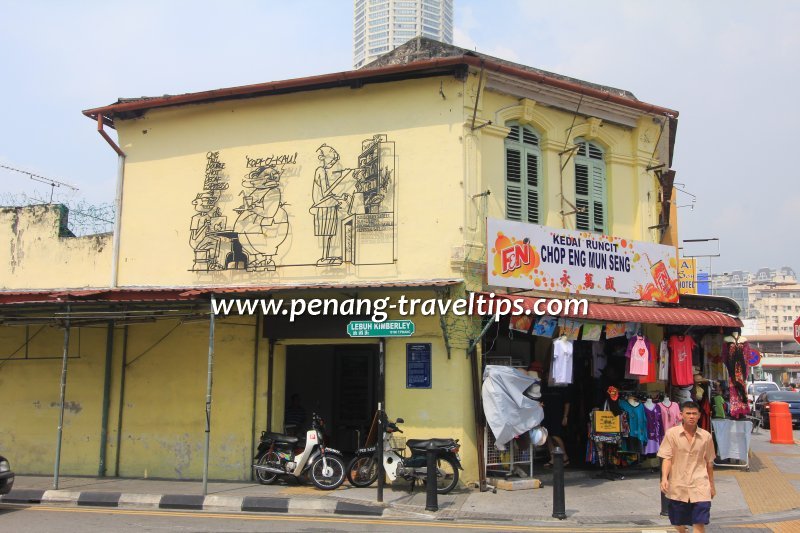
{"points": [[422, 444], [279, 437]]}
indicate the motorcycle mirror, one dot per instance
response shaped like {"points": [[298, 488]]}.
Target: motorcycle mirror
{"points": [[399, 421]]}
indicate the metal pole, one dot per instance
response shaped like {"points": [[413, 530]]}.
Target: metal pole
{"points": [[381, 416], [61, 397], [379, 452], [269, 384], [431, 502], [208, 395], [121, 396], [559, 507], [255, 397], [106, 399]]}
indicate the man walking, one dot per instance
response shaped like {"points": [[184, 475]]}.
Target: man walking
{"points": [[687, 473]]}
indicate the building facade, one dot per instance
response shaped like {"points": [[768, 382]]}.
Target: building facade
{"points": [[382, 25], [371, 185]]}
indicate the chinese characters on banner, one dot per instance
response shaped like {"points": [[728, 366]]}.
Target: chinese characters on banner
{"points": [[529, 256]]}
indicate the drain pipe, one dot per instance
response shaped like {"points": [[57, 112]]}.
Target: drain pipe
{"points": [[118, 200]]}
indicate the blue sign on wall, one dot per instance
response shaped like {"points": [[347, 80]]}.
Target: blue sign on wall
{"points": [[418, 365]]}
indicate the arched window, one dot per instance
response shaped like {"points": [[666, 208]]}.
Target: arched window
{"points": [[590, 188], [523, 158]]}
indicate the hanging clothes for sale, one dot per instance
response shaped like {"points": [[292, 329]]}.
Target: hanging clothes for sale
{"points": [[714, 368], [638, 354], [663, 362], [655, 427], [652, 363], [670, 414], [561, 364], [680, 359], [737, 376], [637, 419]]}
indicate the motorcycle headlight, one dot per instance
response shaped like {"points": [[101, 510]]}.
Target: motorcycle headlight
{"points": [[4, 466]]}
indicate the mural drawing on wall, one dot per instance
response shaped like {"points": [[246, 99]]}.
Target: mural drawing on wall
{"points": [[208, 220], [352, 211]]}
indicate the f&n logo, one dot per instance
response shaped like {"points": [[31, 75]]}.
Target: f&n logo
{"points": [[515, 256]]}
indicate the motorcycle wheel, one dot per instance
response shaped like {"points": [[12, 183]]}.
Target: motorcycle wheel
{"points": [[264, 477], [446, 475], [362, 471], [327, 480]]}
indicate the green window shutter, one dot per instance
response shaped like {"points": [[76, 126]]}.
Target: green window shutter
{"points": [[513, 184], [590, 189], [522, 175]]}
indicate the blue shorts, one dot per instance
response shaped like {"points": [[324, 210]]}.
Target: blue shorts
{"points": [[689, 513]]}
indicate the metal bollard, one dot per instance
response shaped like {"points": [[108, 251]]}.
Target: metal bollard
{"points": [[431, 502], [559, 508]]}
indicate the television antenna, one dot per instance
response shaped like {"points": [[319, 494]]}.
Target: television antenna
{"points": [[41, 179]]}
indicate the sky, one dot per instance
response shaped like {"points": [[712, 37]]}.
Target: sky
{"points": [[729, 67]]}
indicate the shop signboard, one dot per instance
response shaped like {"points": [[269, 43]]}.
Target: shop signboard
{"points": [[418, 365], [606, 422], [687, 276], [388, 328], [533, 257], [797, 330]]}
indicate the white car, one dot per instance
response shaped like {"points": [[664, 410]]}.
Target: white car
{"points": [[756, 388]]}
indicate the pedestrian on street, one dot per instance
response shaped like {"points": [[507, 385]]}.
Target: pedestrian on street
{"points": [[687, 472]]}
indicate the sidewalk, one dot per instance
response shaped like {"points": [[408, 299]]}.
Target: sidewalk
{"points": [[769, 492]]}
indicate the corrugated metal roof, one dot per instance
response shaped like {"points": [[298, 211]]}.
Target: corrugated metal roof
{"points": [[167, 294]]}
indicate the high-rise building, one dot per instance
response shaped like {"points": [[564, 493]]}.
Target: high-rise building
{"points": [[382, 25]]}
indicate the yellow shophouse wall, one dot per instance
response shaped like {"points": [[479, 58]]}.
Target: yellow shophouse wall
{"points": [[167, 158], [34, 255]]}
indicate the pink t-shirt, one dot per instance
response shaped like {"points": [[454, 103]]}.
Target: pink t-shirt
{"points": [[670, 416], [640, 357]]}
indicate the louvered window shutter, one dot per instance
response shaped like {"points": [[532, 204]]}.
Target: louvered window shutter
{"points": [[590, 189], [522, 175]]}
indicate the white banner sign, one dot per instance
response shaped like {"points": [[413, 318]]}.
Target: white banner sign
{"points": [[528, 256]]}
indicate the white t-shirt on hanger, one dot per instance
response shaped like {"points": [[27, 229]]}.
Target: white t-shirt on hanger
{"points": [[562, 361]]}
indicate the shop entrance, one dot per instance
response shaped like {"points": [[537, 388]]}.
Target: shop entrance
{"points": [[339, 383]]}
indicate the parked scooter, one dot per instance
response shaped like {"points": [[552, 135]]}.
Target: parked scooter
{"points": [[362, 471], [284, 455]]}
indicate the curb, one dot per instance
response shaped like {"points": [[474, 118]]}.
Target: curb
{"points": [[195, 502]]}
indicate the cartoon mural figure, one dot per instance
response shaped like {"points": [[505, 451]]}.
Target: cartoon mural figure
{"points": [[262, 224], [329, 200], [202, 237]]}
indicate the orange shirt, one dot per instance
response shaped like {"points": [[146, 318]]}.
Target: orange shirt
{"points": [[688, 478]]}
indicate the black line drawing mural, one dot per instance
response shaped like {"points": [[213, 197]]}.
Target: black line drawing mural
{"points": [[353, 210], [327, 203], [263, 224], [208, 220], [368, 230]]}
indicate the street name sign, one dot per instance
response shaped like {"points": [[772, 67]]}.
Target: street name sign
{"points": [[389, 328]]}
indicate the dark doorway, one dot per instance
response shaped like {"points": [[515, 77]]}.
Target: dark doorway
{"points": [[339, 383]]}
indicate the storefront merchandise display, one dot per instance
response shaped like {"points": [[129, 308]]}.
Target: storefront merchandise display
{"points": [[663, 361], [735, 349], [545, 326], [714, 368], [636, 418], [571, 329], [561, 365], [670, 414], [638, 354], [614, 330], [592, 331], [681, 347], [509, 411], [655, 427]]}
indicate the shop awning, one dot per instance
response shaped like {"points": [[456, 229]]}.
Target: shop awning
{"points": [[675, 316], [175, 294]]}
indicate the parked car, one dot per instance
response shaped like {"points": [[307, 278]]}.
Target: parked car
{"points": [[762, 405], [6, 476], [756, 388]]}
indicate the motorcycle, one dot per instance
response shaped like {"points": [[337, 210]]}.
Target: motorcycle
{"points": [[362, 470], [284, 455]]}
